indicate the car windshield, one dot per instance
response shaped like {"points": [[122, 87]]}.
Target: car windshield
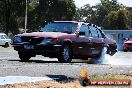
{"points": [[6, 36], [64, 27]]}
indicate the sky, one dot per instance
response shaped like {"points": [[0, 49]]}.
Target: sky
{"points": [[80, 3]]}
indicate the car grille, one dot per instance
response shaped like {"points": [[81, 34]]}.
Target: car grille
{"points": [[129, 44], [32, 40]]}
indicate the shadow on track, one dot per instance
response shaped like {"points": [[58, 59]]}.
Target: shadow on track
{"points": [[103, 59], [61, 78], [43, 61], [36, 61]]}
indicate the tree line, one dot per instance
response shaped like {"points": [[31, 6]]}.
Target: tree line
{"points": [[108, 14], [40, 12]]}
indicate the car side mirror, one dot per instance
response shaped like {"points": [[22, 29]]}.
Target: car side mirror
{"points": [[125, 38]]}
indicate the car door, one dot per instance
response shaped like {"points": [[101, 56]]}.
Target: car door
{"points": [[83, 41], [97, 40]]}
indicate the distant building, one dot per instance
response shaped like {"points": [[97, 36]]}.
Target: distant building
{"points": [[119, 36]]}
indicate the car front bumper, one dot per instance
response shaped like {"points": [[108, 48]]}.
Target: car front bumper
{"points": [[38, 48]]}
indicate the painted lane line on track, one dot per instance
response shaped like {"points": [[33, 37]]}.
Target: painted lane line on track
{"points": [[22, 79]]}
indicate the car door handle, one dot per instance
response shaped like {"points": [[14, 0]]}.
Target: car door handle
{"points": [[89, 40], [102, 40]]}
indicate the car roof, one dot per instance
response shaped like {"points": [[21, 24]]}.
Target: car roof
{"points": [[2, 34], [68, 21], [77, 22]]}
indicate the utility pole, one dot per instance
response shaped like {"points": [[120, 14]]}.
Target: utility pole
{"points": [[7, 15], [26, 18]]}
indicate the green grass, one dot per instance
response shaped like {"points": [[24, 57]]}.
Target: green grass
{"points": [[108, 77]]}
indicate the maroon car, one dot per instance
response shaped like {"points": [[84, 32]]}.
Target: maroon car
{"points": [[63, 40], [127, 46]]}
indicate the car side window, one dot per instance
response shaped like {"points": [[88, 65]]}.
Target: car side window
{"points": [[94, 32], [99, 33], [84, 31]]}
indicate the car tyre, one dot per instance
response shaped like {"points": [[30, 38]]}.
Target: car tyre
{"points": [[108, 50], [98, 56], [102, 52], [24, 56], [6, 45], [111, 52], [125, 50], [65, 54]]}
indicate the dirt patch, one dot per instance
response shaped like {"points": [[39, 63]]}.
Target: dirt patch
{"points": [[56, 84], [44, 84]]}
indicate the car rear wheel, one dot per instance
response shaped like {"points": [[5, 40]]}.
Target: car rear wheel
{"points": [[24, 56], [65, 54], [110, 51], [125, 50], [102, 52]]}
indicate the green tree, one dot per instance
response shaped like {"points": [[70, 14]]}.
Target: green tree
{"points": [[129, 17], [104, 8], [122, 19], [12, 13], [50, 10], [86, 12], [2, 18], [12, 10], [110, 22], [77, 15], [130, 20], [32, 17]]}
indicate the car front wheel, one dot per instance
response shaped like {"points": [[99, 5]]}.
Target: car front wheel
{"points": [[24, 56], [6, 45], [65, 54]]}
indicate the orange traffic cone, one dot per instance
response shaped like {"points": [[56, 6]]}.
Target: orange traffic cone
{"points": [[84, 74]]}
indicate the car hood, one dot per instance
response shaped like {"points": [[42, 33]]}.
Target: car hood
{"points": [[43, 34], [128, 42], [109, 40]]}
